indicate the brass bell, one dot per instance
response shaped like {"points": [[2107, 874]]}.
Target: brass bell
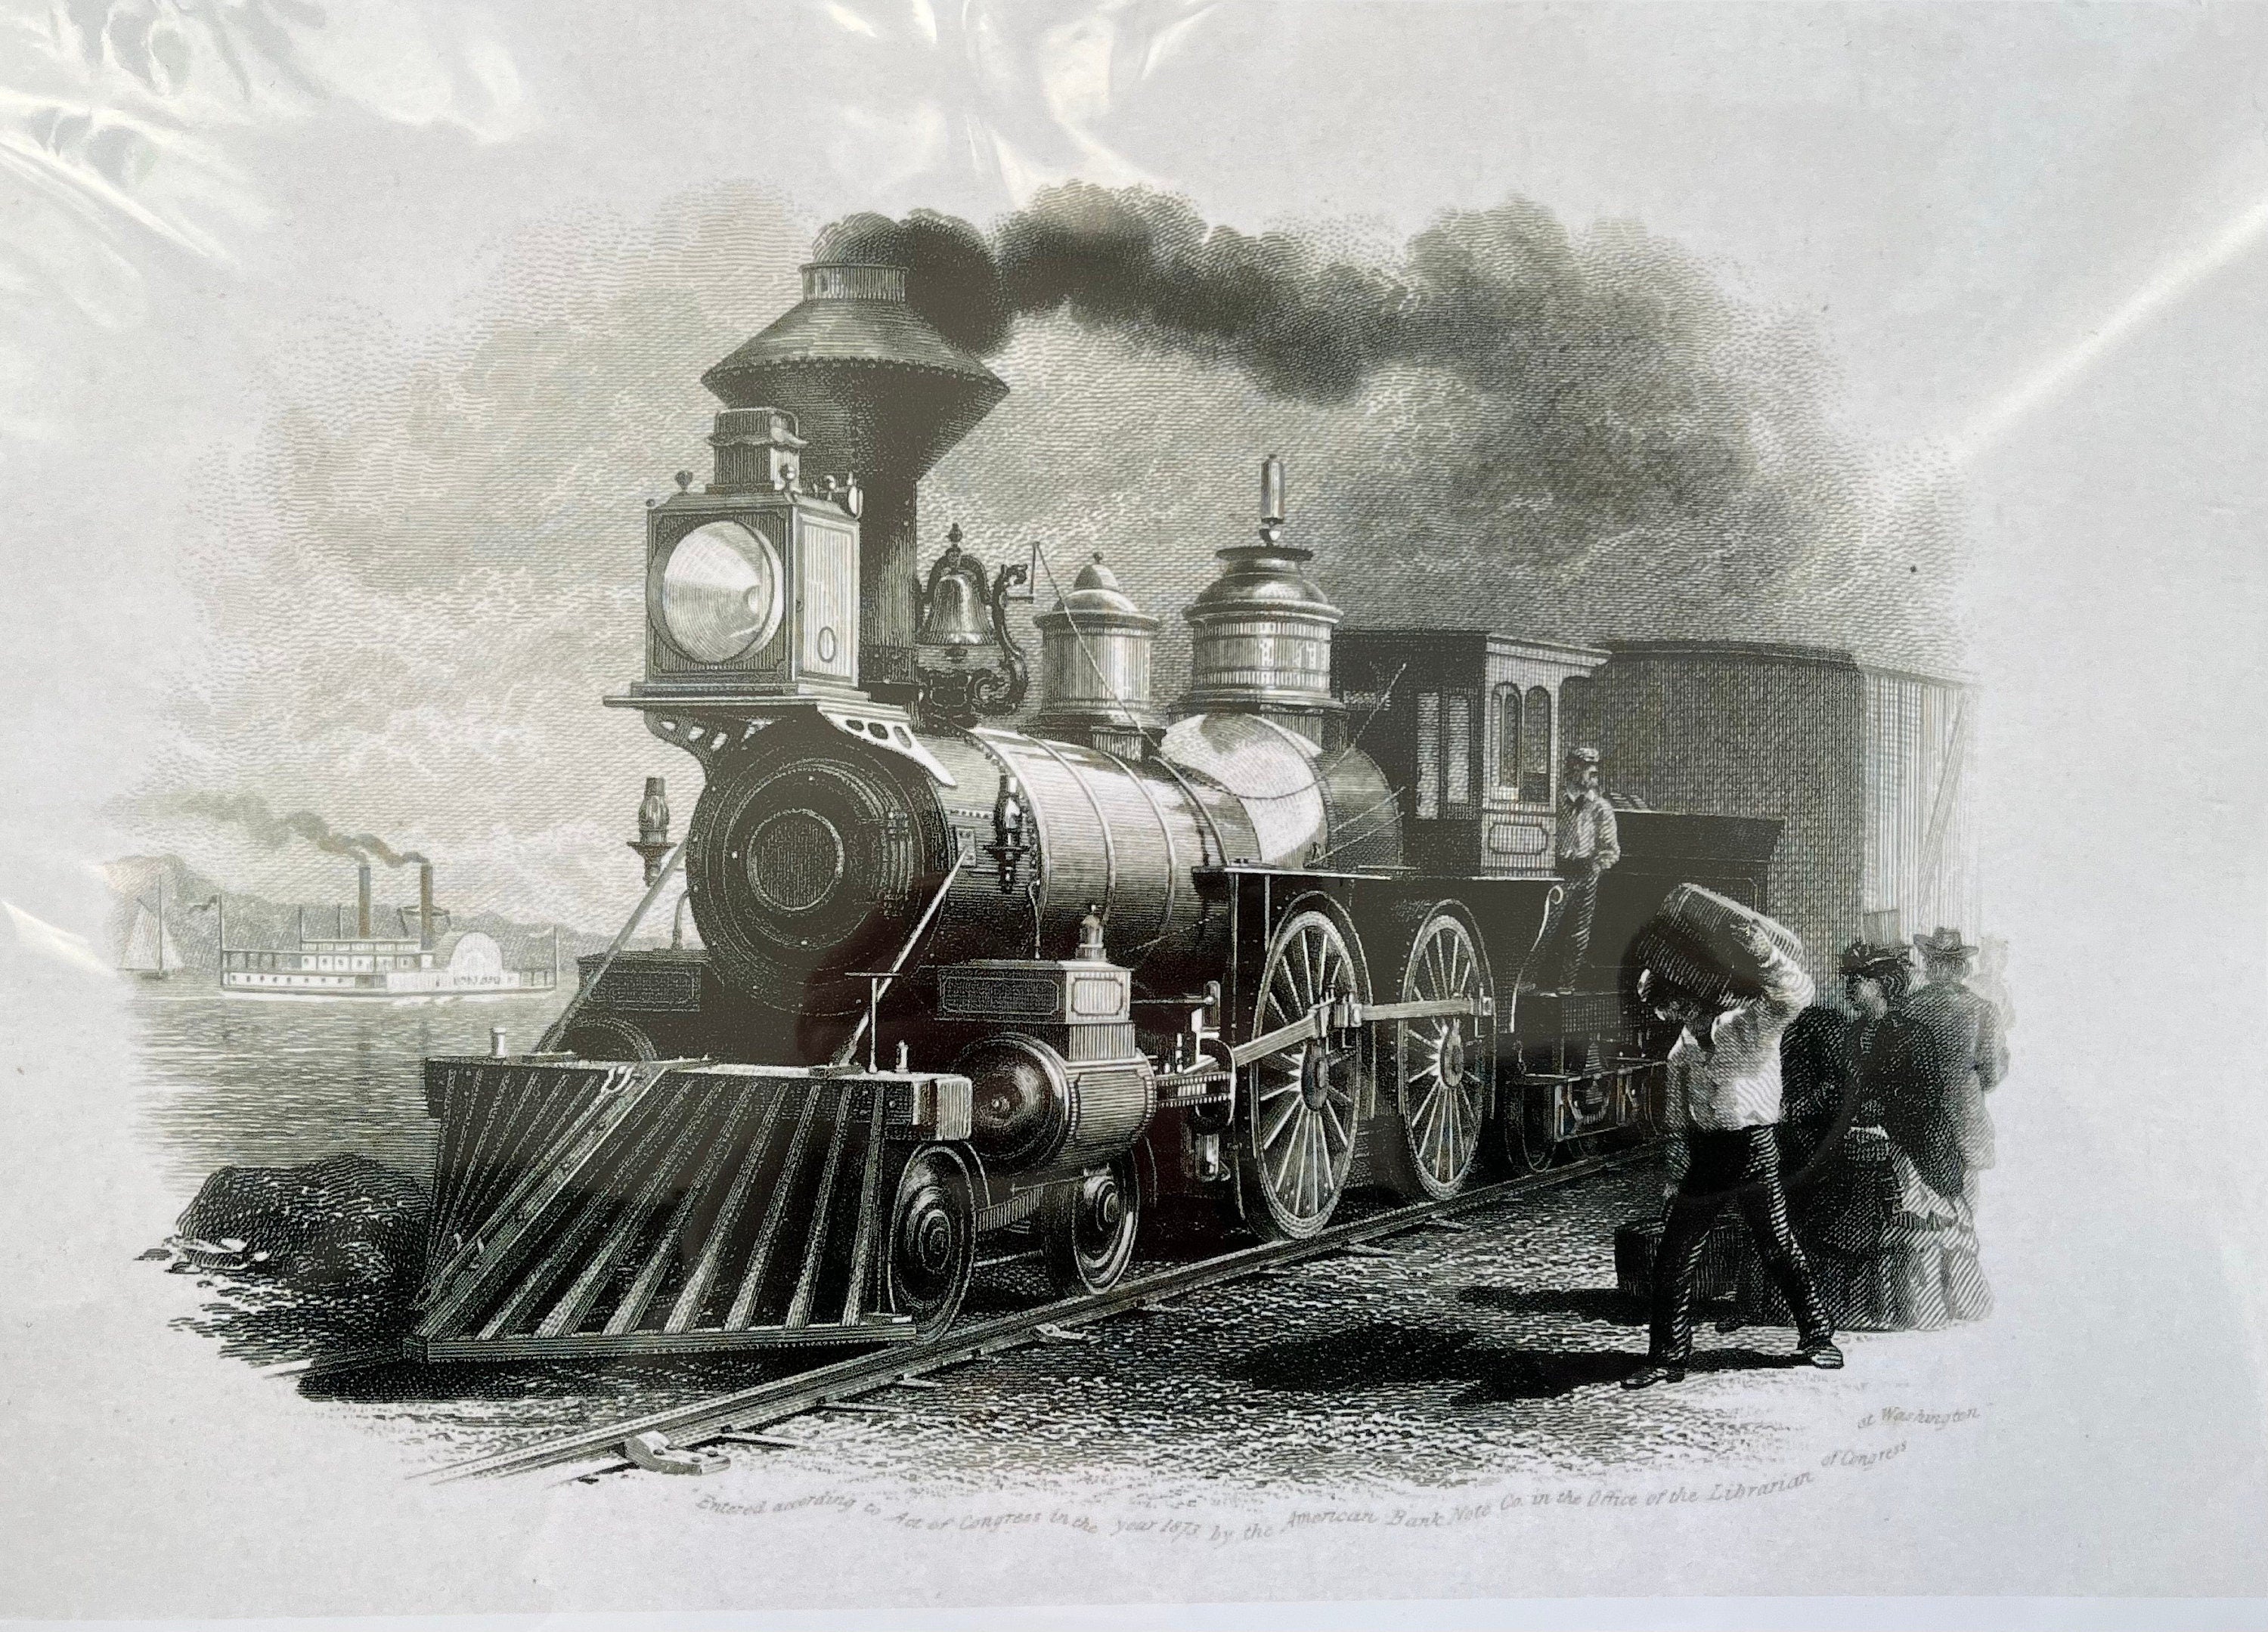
{"points": [[956, 605]]}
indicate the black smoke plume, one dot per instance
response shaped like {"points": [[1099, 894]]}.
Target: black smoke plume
{"points": [[1594, 402], [251, 813]]}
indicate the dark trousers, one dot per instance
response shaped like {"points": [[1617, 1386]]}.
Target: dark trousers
{"points": [[1741, 1166], [1577, 910]]}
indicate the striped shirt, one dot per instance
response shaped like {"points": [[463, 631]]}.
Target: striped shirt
{"points": [[1733, 1080], [1587, 830]]}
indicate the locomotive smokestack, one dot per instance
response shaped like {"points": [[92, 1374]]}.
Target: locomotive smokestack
{"points": [[362, 900], [425, 906], [876, 393]]}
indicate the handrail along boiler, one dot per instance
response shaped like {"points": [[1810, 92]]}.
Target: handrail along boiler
{"points": [[956, 978]]}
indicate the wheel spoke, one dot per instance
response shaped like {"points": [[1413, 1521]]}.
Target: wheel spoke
{"points": [[1290, 1004], [1279, 1166], [1452, 1132], [1429, 1109]]}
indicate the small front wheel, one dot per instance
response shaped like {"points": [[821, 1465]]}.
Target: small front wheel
{"points": [[1088, 1227], [932, 1252]]}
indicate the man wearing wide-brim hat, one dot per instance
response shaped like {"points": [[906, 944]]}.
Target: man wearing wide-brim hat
{"points": [[1967, 1048]]}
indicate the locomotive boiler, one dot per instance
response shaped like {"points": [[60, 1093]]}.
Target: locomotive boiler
{"points": [[957, 981]]}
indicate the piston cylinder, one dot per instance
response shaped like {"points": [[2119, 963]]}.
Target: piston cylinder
{"points": [[1034, 1111]]}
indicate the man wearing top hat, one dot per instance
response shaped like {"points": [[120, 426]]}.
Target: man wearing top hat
{"points": [[1967, 1049], [1589, 846]]}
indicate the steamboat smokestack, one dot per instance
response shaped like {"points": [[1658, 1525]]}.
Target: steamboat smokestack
{"points": [[362, 901], [425, 906], [876, 393]]}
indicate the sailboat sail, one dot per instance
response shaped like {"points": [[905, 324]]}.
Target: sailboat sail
{"points": [[145, 941], [150, 948]]}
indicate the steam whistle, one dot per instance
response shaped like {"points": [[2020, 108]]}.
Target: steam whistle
{"points": [[652, 842]]}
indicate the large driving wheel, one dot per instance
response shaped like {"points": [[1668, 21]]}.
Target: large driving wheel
{"points": [[1088, 1227], [1441, 1063], [933, 1239], [1298, 1104]]}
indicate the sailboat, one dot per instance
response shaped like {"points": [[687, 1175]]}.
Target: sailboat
{"points": [[150, 952]]}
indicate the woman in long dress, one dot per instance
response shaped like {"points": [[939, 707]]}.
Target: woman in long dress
{"points": [[1879, 1198]]}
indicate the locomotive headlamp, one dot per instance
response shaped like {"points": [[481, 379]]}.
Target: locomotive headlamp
{"points": [[717, 592]]}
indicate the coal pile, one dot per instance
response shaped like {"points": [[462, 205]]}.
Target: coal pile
{"points": [[344, 1220], [308, 1258]]}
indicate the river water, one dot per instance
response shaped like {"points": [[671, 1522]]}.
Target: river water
{"points": [[275, 1082]]}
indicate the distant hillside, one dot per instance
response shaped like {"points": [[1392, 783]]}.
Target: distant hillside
{"points": [[193, 921]]}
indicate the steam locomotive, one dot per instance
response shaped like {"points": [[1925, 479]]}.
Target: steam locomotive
{"points": [[956, 981]]}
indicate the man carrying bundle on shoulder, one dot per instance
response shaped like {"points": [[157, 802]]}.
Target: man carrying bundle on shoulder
{"points": [[1727, 978]]}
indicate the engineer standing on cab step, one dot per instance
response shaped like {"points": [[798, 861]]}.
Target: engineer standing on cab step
{"points": [[1724, 1100], [1588, 845]]}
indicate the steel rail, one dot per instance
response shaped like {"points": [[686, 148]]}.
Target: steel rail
{"points": [[766, 1404]]}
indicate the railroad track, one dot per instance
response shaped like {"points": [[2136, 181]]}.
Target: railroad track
{"points": [[744, 1412]]}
